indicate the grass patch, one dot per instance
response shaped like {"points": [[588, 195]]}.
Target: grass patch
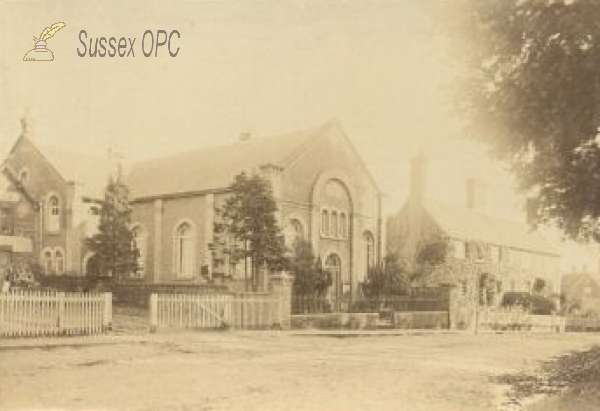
{"points": [[571, 375]]}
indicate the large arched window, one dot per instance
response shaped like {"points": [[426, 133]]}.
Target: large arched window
{"points": [[139, 242], [184, 250], [325, 222], [59, 262], [53, 213], [369, 249]]}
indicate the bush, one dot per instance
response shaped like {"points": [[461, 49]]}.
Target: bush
{"points": [[535, 304]]}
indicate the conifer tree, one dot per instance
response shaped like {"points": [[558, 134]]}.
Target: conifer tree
{"points": [[249, 216], [113, 245]]}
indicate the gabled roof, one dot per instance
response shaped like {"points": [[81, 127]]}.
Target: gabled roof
{"points": [[88, 171], [467, 224], [213, 168]]}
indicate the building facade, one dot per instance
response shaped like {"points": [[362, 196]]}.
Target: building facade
{"points": [[487, 253], [54, 201], [323, 191]]}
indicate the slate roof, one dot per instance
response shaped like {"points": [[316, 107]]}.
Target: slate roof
{"points": [[214, 168], [467, 224]]}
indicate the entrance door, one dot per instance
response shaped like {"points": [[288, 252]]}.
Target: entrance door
{"points": [[333, 264]]}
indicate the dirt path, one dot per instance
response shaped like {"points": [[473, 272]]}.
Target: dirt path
{"points": [[274, 371]]}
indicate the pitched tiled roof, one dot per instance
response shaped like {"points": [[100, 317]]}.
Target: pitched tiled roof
{"points": [[214, 168], [87, 171], [467, 224]]}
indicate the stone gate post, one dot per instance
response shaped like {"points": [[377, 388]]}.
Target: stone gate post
{"points": [[281, 290]]}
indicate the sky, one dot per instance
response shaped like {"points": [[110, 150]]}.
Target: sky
{"points": [[266, 67]]}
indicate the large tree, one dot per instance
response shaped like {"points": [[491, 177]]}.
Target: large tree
{"points": [[249, 216], [113, 245], [530, 89]]}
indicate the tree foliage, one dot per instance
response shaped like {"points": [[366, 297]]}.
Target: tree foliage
{"points": [[248, 215], [113, 246], [386, 279], [310, 279], [530, 90]]}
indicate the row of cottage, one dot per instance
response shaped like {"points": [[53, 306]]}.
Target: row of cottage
{"points": [[324, 192]]}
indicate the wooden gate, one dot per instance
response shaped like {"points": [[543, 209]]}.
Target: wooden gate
{"points": [[212, 311]]}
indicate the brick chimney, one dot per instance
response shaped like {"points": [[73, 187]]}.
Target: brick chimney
{"points": [[418, 178], [476, 194]]}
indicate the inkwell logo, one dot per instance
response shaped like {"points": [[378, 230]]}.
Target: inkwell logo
{"points": [[40, 52]]}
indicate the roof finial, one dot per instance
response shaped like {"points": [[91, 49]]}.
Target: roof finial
{"points": [[24, 127]]}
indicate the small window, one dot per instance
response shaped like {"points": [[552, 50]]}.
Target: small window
{"points": [[48, 266], [53, 213], [325, 222], [334, 224], [343, 225], [184, 250], [59, 262], [139, 242]]}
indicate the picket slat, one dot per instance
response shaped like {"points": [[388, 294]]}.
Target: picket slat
{"points": [[25, 313]]}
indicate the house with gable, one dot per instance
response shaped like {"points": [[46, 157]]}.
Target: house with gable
{"points": [[500, 255], [323, 190], [54, 203]]}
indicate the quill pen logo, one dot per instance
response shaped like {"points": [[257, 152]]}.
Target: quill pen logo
{"points": [[40, 52]]}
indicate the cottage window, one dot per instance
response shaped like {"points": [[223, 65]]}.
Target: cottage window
{"points": [[53, 213], [184, 250], [59, 262]]}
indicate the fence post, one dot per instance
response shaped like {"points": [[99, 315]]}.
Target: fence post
{"points": [[60, 300], [282, 293], [107, 315], [153, 312]]}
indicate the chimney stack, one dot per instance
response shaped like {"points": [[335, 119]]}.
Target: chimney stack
{"points": [[476, 194], [418, 178]]}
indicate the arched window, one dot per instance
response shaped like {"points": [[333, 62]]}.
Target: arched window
{"points": [[48, 266], [139, 242], [334, 224], [343, 228], [369, 249], [325, 222], [59, 262], [184, 250], [53, 213]]}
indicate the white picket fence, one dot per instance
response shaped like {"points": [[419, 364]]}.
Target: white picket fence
{"points": [[209, 311], [26, 313]]}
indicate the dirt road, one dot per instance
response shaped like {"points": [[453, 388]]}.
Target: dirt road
{"points": [[273, 371]]}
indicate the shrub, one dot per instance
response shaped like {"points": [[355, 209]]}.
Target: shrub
{"points": [[535, 304]]}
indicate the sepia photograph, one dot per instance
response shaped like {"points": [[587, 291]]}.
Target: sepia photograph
{"points": [[281, 205]]}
